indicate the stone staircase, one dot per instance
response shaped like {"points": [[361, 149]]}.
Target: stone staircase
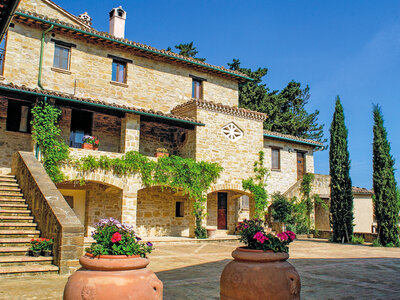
{"points": [[16, 231]]}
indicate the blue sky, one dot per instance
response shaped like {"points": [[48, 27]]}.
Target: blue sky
{"points": [[346, 48]]}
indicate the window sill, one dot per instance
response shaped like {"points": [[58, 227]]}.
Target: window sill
{"points": [[119, 84], [276, 170], [61, 71], [16, 132]]}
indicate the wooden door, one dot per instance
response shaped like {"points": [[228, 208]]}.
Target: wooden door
{"points": [[300, 165], [222, 210]]}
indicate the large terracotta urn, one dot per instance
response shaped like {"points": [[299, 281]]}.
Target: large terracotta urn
{"points": [[256, 275], [113, 277]]}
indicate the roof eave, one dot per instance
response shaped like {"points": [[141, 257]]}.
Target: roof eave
{"points": [[10, 13], [292, 140], [240, 77], [126, 110]]}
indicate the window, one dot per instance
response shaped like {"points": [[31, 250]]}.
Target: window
{"points": [[18, 117], [275, 159], [244, 202], [197, 89], [2, 53], [81, 125], [118, 71], [61, 57], [179, 210]]}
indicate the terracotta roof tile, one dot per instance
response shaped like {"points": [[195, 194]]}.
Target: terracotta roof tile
{"points": [[154, 51], [358, 190], [278, 135], [209, 105], [50, 93]]}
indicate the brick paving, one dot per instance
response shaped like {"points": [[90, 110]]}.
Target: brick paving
{"points": [[192, 270]]}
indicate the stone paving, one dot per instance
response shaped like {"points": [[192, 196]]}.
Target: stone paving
{"points": [[192, 270]]}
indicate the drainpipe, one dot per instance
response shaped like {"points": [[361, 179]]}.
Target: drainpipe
{"points": [[41, 56]]}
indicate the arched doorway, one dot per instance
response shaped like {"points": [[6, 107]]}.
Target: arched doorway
{"points": [[226, 207], [92, 201]]}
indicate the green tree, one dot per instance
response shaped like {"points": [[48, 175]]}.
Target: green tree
{"points": [[385, 198], [187, 50], [285, 109], [341, 208]]}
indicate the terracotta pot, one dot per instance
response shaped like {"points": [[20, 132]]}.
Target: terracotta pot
{"points": [[113, 277], [160, 154], [255, 274], [87, 146]]}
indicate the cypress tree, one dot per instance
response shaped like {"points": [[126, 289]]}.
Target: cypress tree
{"points": [[385, 198], [341, 206]]}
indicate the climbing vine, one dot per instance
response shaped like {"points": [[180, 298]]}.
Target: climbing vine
{"points": [[257, 186], [46, 134], [308, 201], [193, 178]]}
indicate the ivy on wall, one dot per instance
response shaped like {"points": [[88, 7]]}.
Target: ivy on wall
{"points": [[257, 186], [185, 174], [46, 134]]}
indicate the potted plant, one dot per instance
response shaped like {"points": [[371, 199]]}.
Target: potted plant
{"points": [[47, 247], [90, 143], [160, 152], [260, 270], [114, 266], [36, 247]]}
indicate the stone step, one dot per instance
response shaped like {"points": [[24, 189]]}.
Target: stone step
{"points": [[6, 261], [15, 242], [8, 184], [18, 219], [8, 179], [15, 205], [7, 251], [10, 194], [9, 189], [19, 233], [14, 212], [15, 271], [6, 176], [11, 199], [20, 225]]}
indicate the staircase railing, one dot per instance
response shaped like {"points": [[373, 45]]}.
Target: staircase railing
{"points": [[54, 216]]}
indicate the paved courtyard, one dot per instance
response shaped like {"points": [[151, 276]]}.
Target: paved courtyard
{"points": [[191, 271]]}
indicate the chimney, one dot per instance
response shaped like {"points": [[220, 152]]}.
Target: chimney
{"points": [[117, 22]]}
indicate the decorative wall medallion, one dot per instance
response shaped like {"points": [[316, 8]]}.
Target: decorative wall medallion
{"points": [[232, 132]]}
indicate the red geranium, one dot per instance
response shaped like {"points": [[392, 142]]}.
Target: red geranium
{"points": [[116, 237]]}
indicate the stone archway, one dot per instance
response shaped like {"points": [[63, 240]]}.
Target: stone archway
{"points": [[93, 201], [235, 211]]}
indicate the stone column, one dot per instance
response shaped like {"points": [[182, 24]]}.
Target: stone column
{"points": [[130, 133], [129, 202]]}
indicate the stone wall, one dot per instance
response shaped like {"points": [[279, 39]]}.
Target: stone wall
{"points": [[281, 180], [150, 84], [54, 217], [236, 157], [10, 141], [363, 213], [156, 213]]}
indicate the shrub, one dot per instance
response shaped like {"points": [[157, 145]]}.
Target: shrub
{"points": [[113, 238], [253, 235], [357, 240], [281, 207], [376, 243]]}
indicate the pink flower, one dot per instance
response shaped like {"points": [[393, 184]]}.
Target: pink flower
{"points": [[260, 237], [291, 235], [116, 237], [283, 236]]}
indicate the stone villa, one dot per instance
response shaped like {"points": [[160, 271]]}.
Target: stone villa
{"points": [[132, 97]]}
